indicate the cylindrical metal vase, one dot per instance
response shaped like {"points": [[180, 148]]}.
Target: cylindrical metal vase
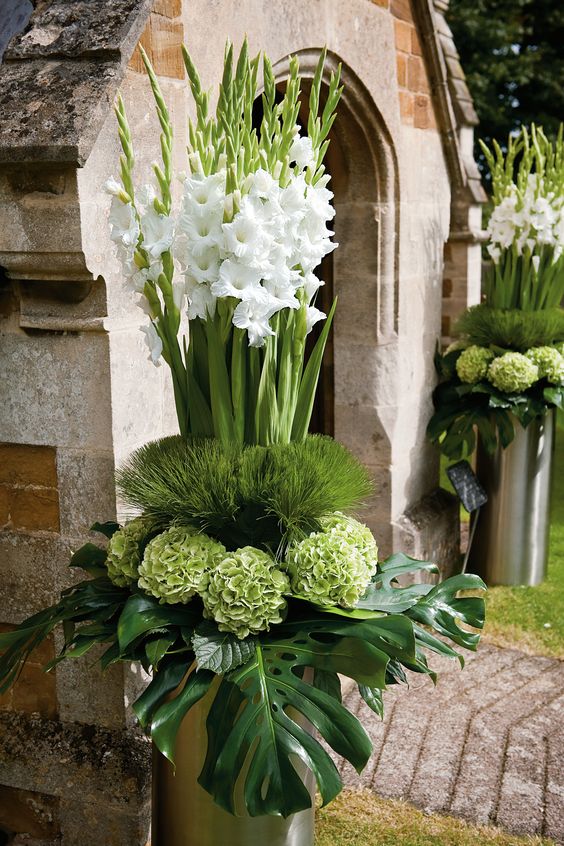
{"points": [[185, 815], [510, 544]]}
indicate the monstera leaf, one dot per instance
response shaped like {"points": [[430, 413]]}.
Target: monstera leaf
{"points": [[260, 716], [384, 593]]}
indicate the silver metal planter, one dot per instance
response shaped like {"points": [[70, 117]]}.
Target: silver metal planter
{"points": [[510, 545], [185, 815]]}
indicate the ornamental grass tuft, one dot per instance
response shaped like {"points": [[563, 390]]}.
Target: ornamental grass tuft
{"points": [[243, 495], [511, 328]]}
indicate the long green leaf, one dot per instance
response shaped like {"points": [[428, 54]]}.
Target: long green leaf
{"points": [[308, 385]]}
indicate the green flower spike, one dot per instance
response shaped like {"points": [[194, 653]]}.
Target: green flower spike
{"points": [[512, 373], [472, 365], [550, 363], [245, 592], [124, 552], [335, 566], [176, 564]]}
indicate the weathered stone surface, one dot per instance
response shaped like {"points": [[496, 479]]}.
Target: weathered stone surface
{"points": [[52, 110], [485, 744], [100, 778], [79, 28]]}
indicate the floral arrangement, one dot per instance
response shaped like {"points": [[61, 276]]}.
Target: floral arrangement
{"points": [[508, 364], [242, 565]]}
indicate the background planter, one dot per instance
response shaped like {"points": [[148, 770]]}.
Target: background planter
{"points": [[511, 541], [185, 815]]}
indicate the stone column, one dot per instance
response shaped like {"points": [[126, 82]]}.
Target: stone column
{"points": [[77, 395]]}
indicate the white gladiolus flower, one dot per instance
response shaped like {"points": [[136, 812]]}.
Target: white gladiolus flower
{"points": [[263, 185], [253, 315], [301, 152], [204, 266], [146, 195], [313, 316], [237, 280], [124, 224], [535, 262], [244, 236], [113, 187], [495, 252], [201, 301], [311, 285], [158, 232], [153, 342], [203, 232], [204, 194], [282, 291]]}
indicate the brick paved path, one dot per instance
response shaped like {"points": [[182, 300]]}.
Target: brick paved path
{"points": [[487, 744]]}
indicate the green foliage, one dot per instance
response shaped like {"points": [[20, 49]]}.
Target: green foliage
{"points": [[220, 651], [263, 691], [462, 411], [511, 52], [243, 495], [511, 329]]}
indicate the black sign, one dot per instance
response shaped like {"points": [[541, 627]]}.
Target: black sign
{"points": [[469, 490]]}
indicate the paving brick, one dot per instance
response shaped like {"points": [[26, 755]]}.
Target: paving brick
{"points": [[486, 744], [479, 779], [554, 796]]}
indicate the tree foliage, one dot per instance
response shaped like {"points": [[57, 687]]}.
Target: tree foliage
{"points": [[511, 52]]}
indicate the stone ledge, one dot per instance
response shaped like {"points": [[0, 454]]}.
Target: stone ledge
{"points": [[101, 778], [81, 28], [59, 77]]}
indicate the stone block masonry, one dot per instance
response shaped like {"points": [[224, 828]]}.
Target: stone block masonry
{"points": [[29, 498]]}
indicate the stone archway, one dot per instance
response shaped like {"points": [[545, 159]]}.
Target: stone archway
{"points": [[363, 273]]}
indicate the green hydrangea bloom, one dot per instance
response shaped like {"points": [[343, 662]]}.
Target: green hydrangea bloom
{"points": [[472, 365], [245, 592], [549, 362], [124, 551], [512, 372], [176, 564], [335, 566]]}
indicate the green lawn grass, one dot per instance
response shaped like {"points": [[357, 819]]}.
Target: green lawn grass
{"points": [[532, 618], [359, 818]]}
